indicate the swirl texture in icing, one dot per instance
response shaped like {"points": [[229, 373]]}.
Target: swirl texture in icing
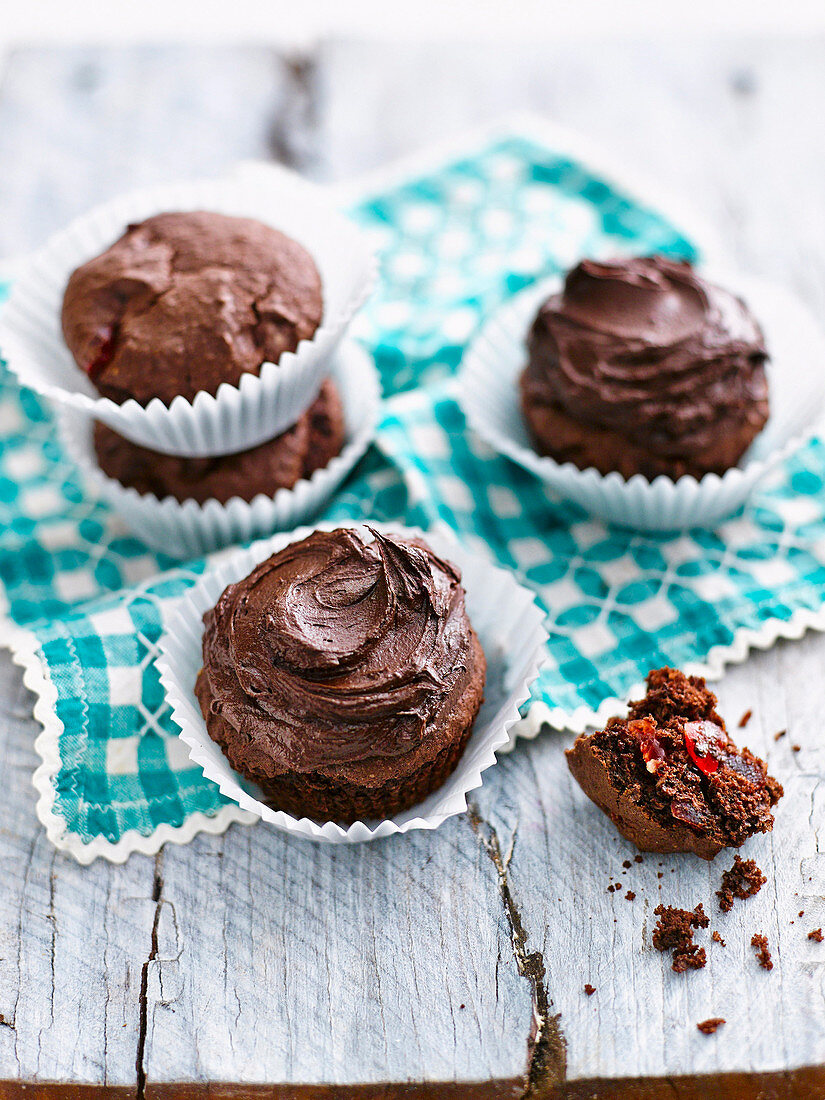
{"points": [[337, 651], [646, 348]]}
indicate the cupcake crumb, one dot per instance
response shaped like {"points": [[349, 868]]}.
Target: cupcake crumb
{"points": [[717, 938], [763, 955], [743, 880], [589, 989], [746, 717], [816, 935], [707, 1027], [674, 932]]}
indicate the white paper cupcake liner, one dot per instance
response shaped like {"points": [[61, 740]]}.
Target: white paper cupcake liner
{"points": [[236, 417], [504, 615], [189, 529], [488, 391]]}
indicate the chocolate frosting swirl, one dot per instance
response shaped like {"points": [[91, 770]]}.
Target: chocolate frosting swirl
{"points": [[337, 650], [647, 347]]}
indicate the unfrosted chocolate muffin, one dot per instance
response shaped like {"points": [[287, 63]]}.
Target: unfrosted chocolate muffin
{"points": [[643, 367], [277, 464], [183, 302], [343, 676], [669, 776]]}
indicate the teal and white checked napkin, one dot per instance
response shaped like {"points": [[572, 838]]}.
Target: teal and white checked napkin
{"points": [[85, 600]]}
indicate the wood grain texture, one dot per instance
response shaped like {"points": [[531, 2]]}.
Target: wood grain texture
{"points": [[81, 125], [335, 965], [724, 126], [72, 940], [253, 958], [566, 853]]}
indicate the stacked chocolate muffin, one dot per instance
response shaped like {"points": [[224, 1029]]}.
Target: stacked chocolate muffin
{"points": [[180, 305]]}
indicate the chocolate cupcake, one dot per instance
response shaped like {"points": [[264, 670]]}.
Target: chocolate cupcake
{"points": [[669, 776], [342, 676], [642, 367], [308, 445], [184, 302]]}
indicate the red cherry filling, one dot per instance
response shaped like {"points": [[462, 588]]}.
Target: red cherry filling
{"points": [[649, 745], [701, 739], [103, 350]]}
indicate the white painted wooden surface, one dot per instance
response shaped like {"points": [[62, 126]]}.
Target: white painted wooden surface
{"points": [[261, 959]]}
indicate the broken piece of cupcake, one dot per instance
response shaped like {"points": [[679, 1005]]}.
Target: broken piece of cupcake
{"points": [[669, 776]]}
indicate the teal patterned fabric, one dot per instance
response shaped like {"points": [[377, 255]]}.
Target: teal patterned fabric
{"points": [[618, 602], [455, 243], [459, 241]]}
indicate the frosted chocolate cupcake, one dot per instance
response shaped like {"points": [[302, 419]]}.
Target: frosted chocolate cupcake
{"points": [[183, 302], [643, 367], [343, 676], [280, 463]]}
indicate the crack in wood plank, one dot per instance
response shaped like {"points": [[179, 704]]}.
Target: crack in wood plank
{"points": [[51, 916], [143, 1000], [546, 1045]]}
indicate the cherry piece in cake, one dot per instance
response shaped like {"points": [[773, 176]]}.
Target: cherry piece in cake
{"points": [[670, 778]]}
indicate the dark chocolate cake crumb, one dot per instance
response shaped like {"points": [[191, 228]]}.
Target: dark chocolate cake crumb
{"points": [[796, 748], [660, 874], [589, 989], [743, 880], [638, 859], [630, 895], [778, 736], [816, 935], [693, 959], [763, 955], [707, 1027], [627, 864], [746, 717], [717, 938], [801, 913], [674, 932]]}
